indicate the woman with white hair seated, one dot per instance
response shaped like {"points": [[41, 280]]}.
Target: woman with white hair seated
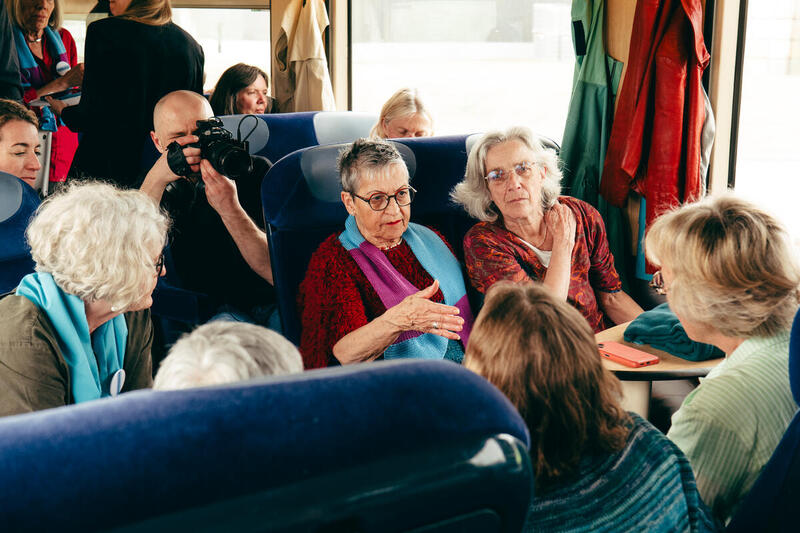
{"points": [[79, 328], [530, 233], [225, 352], [383, 287], [403, 115], [731, 278]]}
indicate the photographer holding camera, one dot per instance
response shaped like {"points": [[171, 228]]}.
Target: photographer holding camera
{"points": [[216, 242]]}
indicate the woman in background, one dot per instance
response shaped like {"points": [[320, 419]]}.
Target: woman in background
{"points": [[403, 115], [242, 90]]}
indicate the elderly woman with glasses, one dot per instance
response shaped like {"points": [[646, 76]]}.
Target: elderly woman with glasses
{"points": [[732, 279], [528, 232], [384, 287], [79, 328]]}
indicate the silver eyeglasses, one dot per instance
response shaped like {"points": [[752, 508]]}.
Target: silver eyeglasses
{"points": [[523, 169]]}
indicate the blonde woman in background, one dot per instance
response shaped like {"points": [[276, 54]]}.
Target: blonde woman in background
{"points": [[403, 115]]}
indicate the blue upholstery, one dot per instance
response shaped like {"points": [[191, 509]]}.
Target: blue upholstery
{"points": [[18, 201], [772, 503], [282, 133], [381, 447]]}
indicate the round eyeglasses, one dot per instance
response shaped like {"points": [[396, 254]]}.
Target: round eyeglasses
{"points": [[657, 283], [380, 201], [523, 169]]}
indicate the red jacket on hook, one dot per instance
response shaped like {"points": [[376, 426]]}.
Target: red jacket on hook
{"points": [[654, 148]]}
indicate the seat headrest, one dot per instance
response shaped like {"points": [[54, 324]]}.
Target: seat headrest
{"points": [[794, 358], [334, 127], [547, 142], [11, 190], [318, 165], [254, 129]]}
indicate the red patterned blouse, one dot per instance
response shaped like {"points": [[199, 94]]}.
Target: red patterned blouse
{"points": [[336, 298], [492, 253]]}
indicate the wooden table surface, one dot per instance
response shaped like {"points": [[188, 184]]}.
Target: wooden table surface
{"points": [[668, 367]]}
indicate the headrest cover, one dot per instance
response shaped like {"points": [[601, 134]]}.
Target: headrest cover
{"points": [[546, 141], [257, 138], [318, 165], [794, 359], [10, 195], [342, 126]]}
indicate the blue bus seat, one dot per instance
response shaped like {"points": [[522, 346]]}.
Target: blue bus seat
{"points": [[302, 206], [18, 201], [279, 134], [772, 503], [384, 447]]}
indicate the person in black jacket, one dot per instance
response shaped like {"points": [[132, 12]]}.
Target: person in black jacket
{"points": [[10, 87], [131, 60]]}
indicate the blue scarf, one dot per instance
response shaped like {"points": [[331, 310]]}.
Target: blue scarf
{"points": [[31, 74], [437, 259], [82, 352]]}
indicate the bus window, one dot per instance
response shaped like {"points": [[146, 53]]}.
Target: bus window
{"points": [[480, 64], [768, 159]]}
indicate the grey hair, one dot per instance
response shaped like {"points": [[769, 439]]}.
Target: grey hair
{"points": [[98, 242], [403, 103], [473, 193], [226, 352], [363, 157]]}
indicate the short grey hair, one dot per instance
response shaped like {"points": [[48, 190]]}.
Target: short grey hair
{"points": [[363, 157], [732, 265], [99, 242], [473, 192], [226, 352]]}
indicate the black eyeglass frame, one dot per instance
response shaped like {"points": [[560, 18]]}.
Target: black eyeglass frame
{"points": [[411, 190]]}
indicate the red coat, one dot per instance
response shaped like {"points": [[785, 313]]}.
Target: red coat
{"points": [[654, 148]]}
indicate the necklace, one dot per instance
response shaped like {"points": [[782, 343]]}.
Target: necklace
{"points": [[390, 246], [33, 40]]}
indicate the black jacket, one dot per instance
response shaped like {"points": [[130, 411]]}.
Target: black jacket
{"points": [[129, 67]]}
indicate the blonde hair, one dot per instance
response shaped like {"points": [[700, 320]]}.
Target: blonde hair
{"points": [[98, 242], [403, 103], [152, 12], [225, 352], [473, 193], [732, 266], [541, 353], [14, 8]]}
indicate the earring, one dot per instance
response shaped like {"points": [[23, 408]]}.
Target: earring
{"points": [[114, 309]]}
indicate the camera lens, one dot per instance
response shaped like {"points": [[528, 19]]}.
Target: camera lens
{"points": [[229, 160]]}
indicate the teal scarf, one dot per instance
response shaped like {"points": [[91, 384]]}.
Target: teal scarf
{"points": [[92, 359]]}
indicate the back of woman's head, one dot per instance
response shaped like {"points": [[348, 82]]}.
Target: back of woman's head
{"points": [[541, 353], [732, 266], [233, 80], [152, 12], [403, 103]]}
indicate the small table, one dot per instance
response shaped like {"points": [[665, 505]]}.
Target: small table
{"points": [[637, 382]]}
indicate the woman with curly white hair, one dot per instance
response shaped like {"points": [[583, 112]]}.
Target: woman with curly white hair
{"points": [[729, 274], [530, 233], [79, 328]]}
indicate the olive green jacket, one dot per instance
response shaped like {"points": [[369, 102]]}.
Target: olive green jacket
{"points": [[33, 372]]}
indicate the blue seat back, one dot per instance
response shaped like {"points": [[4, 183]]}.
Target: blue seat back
{"points": [[18, 201], [772, 503], [390, 446], [277, 135]]}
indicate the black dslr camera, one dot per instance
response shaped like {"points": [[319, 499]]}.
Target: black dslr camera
{"points": [[230, 157]]}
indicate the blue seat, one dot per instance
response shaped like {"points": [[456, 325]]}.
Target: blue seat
{"points": [[772, 503], [18, 201], [384, 447], [277, 135], [302, 206]]}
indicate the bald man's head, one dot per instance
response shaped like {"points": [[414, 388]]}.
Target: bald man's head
{"points": [[176, 115]]}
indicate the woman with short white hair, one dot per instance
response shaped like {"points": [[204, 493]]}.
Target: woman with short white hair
{"points": [[731, 278], [530, 233], [225, 352], [79, 328], [403, 115]]}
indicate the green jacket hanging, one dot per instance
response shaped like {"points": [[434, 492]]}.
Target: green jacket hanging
{"points": [[591, 113]]}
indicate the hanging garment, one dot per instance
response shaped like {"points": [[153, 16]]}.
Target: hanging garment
{"points": [[655, 145], [591, 112], [302, 82]]}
